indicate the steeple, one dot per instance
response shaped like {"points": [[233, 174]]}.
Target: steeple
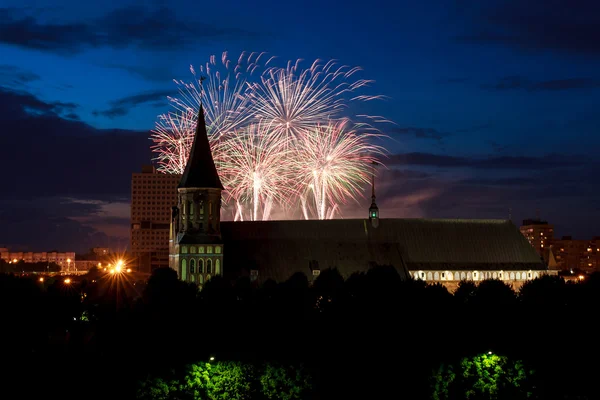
{"points": [[373, 210], [200, 170]]}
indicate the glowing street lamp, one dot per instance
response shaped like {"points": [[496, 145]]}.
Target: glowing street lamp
{"points": [[68, 281], [41, 279]]}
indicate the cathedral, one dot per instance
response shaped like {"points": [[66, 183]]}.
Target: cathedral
{"points": [[434, 250]]}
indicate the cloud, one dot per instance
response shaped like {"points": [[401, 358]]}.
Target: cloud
{"points": [[522, 83], [501, 162], [16, 77], [422, 133], [558, 25], [52, 155], [68, 183], [51, 223], [121, 107], [142, 27]]}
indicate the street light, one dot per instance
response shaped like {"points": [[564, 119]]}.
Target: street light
{"points": [[68, 281]]}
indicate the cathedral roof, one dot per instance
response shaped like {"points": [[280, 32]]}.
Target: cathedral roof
{"points": [[200, 170], [278, 249]]}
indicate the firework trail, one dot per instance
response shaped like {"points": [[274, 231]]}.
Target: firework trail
{"points": [[255, 169], [333, 163]]}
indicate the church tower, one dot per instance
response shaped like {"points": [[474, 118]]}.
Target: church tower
{"points": [[373, 210], [195, 245]]}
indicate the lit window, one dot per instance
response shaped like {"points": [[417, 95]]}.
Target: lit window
{"points": [[218, 249], [201, 249], [193, 249], [209, 249], [316, 272], [184, 249]]}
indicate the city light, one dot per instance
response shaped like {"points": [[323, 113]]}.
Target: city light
{"points": [[41, 279], [67, 281]]}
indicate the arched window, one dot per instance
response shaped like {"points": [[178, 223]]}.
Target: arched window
{"points": [[207, 277], [192, 208], [184, 249], [200, 279], [201, 249], [217, 267], [193, 249], [218, 249], [209, 249], [192, 266], [209, 266], [183, 270], [200, 266], [192, 278]]}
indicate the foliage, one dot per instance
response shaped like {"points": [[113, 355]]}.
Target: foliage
{"points": [[285, 383], [485, 376], [228, 380]]}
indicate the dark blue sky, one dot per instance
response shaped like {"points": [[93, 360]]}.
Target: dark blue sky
{"points": [[495, 103]]}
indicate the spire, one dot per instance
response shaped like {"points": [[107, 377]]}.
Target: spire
{"points": [[373, 210], [200, 170]]}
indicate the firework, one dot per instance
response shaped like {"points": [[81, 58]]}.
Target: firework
{"points": [[293, 99], [255, 171], [173, 137], [332, 163], [222, 91], [275, 136]]}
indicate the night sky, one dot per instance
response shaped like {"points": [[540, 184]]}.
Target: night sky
{"points": [[495, 103]]}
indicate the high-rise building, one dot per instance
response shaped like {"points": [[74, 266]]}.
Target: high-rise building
{"points": [[153, 195], [540, 235]]}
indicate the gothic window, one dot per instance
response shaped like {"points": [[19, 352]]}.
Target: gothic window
{"points": [[200, 266], [218, 249], [217, 267], [184, 249], [207, 277], [193, 249], [183, 270], [209, 266], [192, 266], [209, 249], [201, 249], [200, 279], [192, 278]]}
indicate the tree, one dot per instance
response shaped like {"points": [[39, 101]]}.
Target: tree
{"points": [[284, 382], [485, 376]]}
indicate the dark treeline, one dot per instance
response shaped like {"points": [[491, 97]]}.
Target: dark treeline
{"points": [[371, 336]]}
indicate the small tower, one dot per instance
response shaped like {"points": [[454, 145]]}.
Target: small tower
{"points": [[196, 247], [373, 210]]}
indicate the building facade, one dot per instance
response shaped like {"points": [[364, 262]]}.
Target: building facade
{"points": [[66, 260], [572, 254], [195, 245], [153, 195]]}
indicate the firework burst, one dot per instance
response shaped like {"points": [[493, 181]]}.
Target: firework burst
{"points": [[293, 99], [255, 171], [332, 163]]}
